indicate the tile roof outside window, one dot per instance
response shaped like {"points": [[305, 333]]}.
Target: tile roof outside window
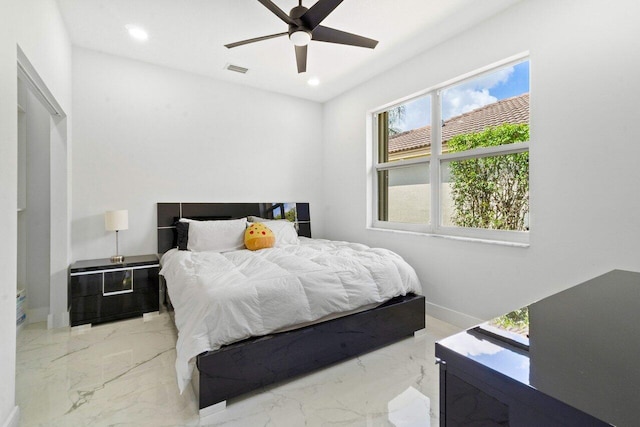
{"points": [[511, 110]]}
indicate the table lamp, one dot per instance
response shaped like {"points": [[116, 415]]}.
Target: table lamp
{"points": [[116, 221]]}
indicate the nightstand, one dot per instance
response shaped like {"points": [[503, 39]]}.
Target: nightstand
{"points": [[102, 291]]}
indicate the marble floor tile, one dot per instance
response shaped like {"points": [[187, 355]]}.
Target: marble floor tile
{"points": [[122, 373]]}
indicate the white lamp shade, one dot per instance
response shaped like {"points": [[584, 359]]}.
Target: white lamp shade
{"points": [[116, 220]]}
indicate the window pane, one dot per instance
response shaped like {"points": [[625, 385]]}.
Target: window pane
{"points": [[405, 131], [497, 101], [405, 194], [489, 192]]}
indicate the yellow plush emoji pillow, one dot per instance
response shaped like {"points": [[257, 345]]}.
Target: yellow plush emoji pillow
{"points": [[259, 236]]}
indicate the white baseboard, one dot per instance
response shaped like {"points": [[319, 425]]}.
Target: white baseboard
{"points": [[36, 315], [60, 320], [454, 317], [14, 418]]}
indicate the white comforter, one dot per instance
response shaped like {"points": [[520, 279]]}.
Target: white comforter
{"points": [[221, 298]]}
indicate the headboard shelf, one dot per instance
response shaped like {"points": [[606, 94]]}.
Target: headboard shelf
{"points": [[169, 213]]}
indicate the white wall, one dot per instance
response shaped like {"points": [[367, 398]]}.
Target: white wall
{"points": [[38, 210], [585, 59], [37, 27], [146, 134]]}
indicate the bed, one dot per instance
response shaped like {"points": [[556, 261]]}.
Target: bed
{"points": [[223, 371]]}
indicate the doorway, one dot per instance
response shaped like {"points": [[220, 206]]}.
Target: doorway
{"points": [[43, 237]]}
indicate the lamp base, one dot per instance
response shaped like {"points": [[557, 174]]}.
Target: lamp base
{"points": [[117, 259]]}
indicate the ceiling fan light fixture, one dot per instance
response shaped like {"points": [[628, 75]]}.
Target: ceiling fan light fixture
{"points": [[300, 38]]}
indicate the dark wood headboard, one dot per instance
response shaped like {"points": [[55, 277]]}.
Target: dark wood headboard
{"points": [[169, 213]]}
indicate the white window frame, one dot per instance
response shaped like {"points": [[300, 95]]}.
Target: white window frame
{"points": [[434, 162]]}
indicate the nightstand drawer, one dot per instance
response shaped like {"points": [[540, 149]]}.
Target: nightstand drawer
{"points": [[86, 284], [146, 278], [117, 282], [89, 308], [113, 307]]}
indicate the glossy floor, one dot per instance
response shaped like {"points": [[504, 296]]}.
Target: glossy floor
{"points": [[122, 373]]}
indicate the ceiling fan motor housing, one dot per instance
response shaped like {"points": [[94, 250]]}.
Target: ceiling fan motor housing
{"points": [[295, 15]]}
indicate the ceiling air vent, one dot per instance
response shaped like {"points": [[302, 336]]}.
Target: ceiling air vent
{"points": [[236, 68]]}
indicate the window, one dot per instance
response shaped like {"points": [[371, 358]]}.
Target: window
{"points": [[404, 177], [468, 176]]}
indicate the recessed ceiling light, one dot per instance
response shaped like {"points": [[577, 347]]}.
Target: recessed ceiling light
{"points": [[313, 82], [137, 32]]}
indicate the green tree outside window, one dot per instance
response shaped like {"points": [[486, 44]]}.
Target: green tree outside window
{"points": [[491, 192]]}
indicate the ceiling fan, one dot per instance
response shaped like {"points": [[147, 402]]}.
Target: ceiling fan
{"points": [[304, 26]]}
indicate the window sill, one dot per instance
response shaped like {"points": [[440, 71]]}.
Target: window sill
{"points": [[450, 237]]}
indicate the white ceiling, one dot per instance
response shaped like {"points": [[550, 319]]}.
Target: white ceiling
{"points": [[190, 35]]}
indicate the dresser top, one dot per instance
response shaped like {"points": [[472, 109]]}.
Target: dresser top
{"points": [[583, 348], [106, 264]]}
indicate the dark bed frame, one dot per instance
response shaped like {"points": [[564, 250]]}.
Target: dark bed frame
{"points": [[256, 362]]}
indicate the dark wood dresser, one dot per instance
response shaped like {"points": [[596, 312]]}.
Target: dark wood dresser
{"points": [[578, 366]]}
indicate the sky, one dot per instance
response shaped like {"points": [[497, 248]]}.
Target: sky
{"points": [[469, 95]]}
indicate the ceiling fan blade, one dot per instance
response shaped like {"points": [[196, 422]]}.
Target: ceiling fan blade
{"points": [[331, 35], [257, 39], [301, 58], [316, 14], [277, 11]]}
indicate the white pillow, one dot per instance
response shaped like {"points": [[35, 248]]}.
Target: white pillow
{"points": [[217, 236], [285, 231]]}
